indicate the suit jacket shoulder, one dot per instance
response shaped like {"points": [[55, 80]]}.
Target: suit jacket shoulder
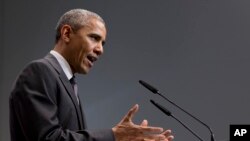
{"points": [[42, 106]]}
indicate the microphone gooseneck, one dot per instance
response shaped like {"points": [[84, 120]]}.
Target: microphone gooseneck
{"points": [[168, 113], [210, 130], [156, 91]]}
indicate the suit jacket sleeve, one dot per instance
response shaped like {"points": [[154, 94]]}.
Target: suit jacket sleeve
{"points": [[33, 110]]}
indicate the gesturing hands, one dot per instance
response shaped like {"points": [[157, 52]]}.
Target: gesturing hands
{"points": [[126, 130]]}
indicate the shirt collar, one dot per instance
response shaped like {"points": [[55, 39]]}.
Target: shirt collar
{"points": [[63, 63]]}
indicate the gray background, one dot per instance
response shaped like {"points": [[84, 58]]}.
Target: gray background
{"points": [[195, 51]]}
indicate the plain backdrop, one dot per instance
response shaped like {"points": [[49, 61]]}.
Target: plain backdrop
{"points": [[196, 52]]}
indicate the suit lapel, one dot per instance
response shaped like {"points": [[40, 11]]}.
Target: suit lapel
{"points": [[71, 93], [82, 113], [52, 60]]}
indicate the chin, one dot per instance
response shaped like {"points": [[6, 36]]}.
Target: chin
{"points": [[84, 71]]}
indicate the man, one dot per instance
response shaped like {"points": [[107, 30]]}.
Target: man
{"points": [[44, 103]]}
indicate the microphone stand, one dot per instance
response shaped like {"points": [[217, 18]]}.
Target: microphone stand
{"points": [[210, 130], [168, 113], [155, 91]]}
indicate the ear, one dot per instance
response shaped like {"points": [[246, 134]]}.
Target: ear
{"points": [[66, 30]]}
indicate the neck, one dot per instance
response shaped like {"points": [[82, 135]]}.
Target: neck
{"points": [[61, 48]]}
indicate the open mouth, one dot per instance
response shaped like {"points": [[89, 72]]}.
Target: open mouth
{"points": [[91, 58]]}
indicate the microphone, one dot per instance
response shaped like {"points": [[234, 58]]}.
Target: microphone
{"points": [[168, 113], [151, 88], [156, 91]]}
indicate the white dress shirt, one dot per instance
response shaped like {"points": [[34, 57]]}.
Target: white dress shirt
{"points": [[63, 63]]}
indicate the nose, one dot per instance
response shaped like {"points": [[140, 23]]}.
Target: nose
{"points": [[99, 49]]}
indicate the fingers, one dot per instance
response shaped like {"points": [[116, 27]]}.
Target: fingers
{"points": [[154, 137], [168, 135], [144, 123], [128, 117], [127, 130], [170, 138], [150, 130], [165, 136]]}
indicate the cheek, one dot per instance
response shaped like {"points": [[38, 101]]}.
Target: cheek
{"points": [[82, 54], [83, 50]]}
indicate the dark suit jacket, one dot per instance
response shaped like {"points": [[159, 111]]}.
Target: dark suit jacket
{"points": [[43, 106]]}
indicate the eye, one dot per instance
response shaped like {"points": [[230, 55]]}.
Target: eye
{"points": [[95, 37], [103, 43]]}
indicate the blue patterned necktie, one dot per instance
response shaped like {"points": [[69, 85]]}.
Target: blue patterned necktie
{"points": [[74, 85]]}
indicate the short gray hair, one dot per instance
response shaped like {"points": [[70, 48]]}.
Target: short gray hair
{"points": [[76, 18]]}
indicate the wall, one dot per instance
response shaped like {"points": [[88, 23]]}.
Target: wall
{"points": [[196, 52]]}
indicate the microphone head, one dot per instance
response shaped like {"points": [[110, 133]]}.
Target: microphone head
{"points": [[149, 87], [163, 109]]}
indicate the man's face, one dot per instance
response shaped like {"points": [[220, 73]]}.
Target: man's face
{"points": [[86, 46]]}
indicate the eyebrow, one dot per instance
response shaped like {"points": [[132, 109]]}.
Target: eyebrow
{"points": [[99, 37]]}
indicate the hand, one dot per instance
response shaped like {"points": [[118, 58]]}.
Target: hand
{"points": [[126, 130], [166, 133]]}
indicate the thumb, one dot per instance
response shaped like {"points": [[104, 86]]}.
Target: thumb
{"points": [[129, 116]]}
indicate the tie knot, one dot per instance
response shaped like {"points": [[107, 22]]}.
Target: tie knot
{"points": [[73, 80]]}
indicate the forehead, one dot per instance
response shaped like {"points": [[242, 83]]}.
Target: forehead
{"points": [[95, 26]]}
